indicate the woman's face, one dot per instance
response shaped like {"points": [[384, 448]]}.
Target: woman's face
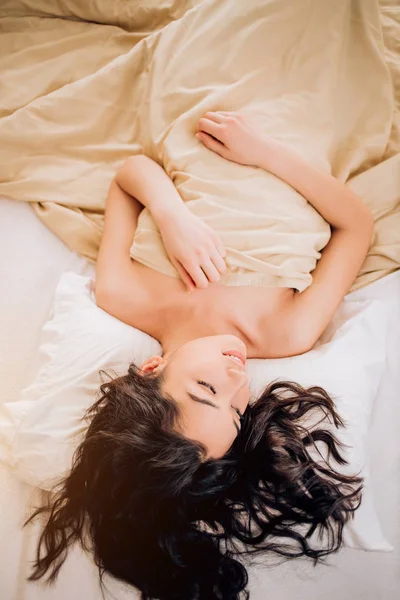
{"points": [[209, 387]]}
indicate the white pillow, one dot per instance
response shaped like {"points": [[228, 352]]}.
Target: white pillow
{"points": [[43, 428]]}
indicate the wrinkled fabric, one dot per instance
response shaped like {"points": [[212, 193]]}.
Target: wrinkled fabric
{"points": [[84, 85]]}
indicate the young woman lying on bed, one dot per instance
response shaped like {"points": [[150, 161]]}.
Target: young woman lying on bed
{"points": [[178, 475]]}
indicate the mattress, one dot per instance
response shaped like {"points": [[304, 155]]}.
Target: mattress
{"points": [[32, 261]]}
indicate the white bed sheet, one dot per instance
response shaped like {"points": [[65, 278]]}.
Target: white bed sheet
{"points": [[32, 261]]}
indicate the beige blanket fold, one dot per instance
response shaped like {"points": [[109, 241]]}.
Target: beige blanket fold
{"points": [[83, 90]]}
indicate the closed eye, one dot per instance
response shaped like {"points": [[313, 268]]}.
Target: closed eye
{"points": [[208, 385], [212, 388]]}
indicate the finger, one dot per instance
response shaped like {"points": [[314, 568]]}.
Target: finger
{"points": [[228, 113], [184, 275], [212, 144], [211, 271], [216, 116], [199, 277], [218, 261], [211, 127], [220, 246]]}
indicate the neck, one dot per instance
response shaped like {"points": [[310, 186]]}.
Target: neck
{"points": [[173, 343], [195, 318], [179, 324]]}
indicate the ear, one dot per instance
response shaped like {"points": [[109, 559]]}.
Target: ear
{"points": [[152, 363]]}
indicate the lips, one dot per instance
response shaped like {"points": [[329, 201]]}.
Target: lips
{"points": [[238, 355]]}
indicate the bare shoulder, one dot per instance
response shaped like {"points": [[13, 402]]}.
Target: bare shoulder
{"points": [[277, 331], [311, 310], [127, 298]]}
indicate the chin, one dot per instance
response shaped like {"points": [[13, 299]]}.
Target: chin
{"points": [[233, 342]]}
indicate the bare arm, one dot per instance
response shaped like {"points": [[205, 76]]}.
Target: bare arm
{"points": [[143, 178], [193, 247], [139, 182], [352, 227], [237, 138], [114, 265], [334, 201]]}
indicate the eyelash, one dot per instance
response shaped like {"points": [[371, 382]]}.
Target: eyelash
{"points": [[212, 388]]}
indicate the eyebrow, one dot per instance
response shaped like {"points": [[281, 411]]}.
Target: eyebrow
{"points": [[204, 401]]}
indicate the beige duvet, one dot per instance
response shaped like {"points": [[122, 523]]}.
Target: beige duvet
{"points": [[83, 85]]}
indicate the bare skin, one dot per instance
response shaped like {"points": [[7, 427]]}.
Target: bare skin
{"points": [[211, 388], [252, 314], [196, 330]]}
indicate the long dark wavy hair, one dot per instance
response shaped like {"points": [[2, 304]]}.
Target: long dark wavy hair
{"points": [[159, 515]]}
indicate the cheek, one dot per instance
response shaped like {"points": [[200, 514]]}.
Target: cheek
{"points": [[244, 400]]}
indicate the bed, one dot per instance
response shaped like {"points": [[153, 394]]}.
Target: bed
{"points": [[33, 259], [68, 122]]}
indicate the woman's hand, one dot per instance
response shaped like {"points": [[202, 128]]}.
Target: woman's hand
{"points": [[237, 136], [193, 247]]}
